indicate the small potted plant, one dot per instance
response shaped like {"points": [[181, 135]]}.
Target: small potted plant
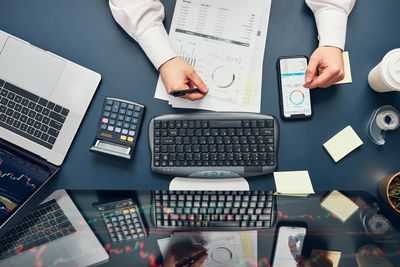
{"points": [[389, 190]]}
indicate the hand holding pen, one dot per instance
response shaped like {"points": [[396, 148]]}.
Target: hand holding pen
{"points": [[178, 75]]}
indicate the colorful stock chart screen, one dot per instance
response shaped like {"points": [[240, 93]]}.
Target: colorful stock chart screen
{"points": [[18, 180]]}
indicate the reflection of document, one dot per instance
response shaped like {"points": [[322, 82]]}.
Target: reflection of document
{"points": [[219, 39], [223, 248]]}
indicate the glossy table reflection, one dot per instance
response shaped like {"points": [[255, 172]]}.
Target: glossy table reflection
{"points": [[323, 230]]}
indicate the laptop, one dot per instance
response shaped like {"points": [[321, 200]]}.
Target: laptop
{"points": [[43, 98], [54, 230]]}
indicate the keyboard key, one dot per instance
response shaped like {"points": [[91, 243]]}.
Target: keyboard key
{"points": [[55, 124], [57, 108], [57, 117]]}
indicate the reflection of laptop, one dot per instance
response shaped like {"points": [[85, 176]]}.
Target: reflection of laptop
{"points": [[59, 232], [43, 98], [56, 228]]}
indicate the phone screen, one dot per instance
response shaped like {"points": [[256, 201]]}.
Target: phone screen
{"points": [[295, 98], [288, 246]]}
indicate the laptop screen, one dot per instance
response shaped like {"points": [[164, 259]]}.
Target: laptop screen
{"points": [[20, 177]]}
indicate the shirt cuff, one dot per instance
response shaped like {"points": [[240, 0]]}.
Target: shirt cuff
{"points": [[156, 44], [331, 26]]}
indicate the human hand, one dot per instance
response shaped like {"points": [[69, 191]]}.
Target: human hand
{"points": [[194, 259], [330, 60], [177, 75]]}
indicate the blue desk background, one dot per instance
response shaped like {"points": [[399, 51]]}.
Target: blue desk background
{"points": [[84, 32]]}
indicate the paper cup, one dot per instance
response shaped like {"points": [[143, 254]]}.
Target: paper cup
{"points": [[385, 77]]}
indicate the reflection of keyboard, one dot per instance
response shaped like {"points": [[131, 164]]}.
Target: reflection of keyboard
{"points": [[29, 115], [214, 144], [48, 222], [213, 209]]}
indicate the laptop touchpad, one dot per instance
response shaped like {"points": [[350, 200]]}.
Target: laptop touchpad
{"points": [[29, 67]]}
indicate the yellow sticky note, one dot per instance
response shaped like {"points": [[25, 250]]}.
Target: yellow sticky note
{"points": [[294, 183], [342, 143], [333, 256], [245, 238], [347, 70], [339, 204]]}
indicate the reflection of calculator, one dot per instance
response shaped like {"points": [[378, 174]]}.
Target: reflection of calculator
{"points": [[119, 127], [122, 219]]}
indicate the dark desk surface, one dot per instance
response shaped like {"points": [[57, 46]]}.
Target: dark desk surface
{"points": [[85, 32], [323, 230]]}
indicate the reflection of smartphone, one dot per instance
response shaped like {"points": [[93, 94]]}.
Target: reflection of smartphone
{"points": [[288, 246], [295, 100]]}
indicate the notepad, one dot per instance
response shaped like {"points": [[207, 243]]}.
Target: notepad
{"points": [[340, 205], [293, 183], [333, 256], [342, 143], [347, 70]]}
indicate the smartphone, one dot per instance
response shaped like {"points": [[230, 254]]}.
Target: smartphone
{"points": [[288, 246], [295, 101]]}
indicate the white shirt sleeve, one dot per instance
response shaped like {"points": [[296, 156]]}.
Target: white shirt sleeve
{"points": [[331, 19], [142, 19]]}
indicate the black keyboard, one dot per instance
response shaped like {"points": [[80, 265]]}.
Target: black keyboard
{"points": [[29, 115], [214, 144], [46, 223], [202, 210]]}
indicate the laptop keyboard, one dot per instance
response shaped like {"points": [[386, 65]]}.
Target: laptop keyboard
{"points": [[47, 223], [29, 115]]}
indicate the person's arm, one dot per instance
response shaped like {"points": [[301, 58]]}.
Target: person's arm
{"points": [[331, 19], [142, 20]]}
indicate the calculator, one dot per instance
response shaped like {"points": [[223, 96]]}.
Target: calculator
{"points": [[122, 219], [118, 128]]}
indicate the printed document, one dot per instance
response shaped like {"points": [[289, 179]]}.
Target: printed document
{"points": [[224, 41]]}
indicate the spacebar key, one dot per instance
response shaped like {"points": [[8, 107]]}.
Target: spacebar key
{"points": [[224, 224], [225, 124]]}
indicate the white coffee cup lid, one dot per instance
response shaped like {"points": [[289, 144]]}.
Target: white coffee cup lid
{"points": [[391, 69]]}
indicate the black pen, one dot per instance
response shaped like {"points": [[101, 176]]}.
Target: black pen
{"points": [[184, 92], [191, 260]]}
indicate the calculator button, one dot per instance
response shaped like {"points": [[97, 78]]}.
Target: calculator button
{"points": [[113, 116], [124, 105], [122, 111], [117, 130], [121, 117], [123, 137], [126, 125], [119, 124], [110, 128], [109, 102], [131, 133], [135, 121], [112, 122], [108, 108], [136, 114], [105, 120], [115, 108], [125, 131], [129, 113], [103, 126], [130, 106], [128, 119], [125, 211], [132, 210], [133, 127], [130, 139], [138, 109], [107, 114]]}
